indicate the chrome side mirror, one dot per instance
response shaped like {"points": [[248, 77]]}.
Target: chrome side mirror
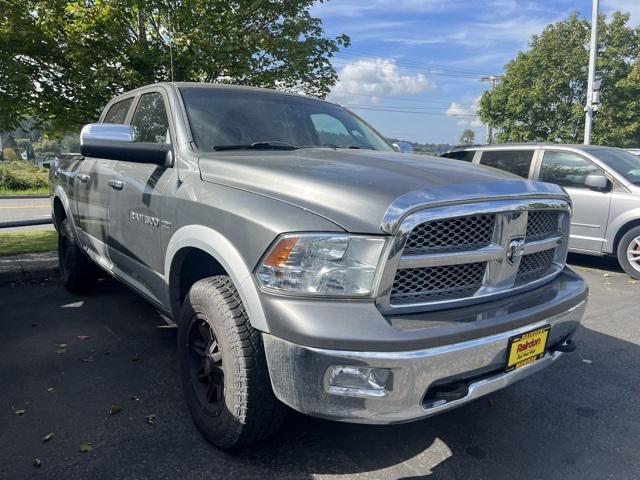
{"points": [[107, 131], [118, 142]]}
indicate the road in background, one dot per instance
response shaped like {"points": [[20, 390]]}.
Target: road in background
{"points": [[25, 209], [578, 419]]}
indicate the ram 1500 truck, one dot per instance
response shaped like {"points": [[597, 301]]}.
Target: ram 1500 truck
{"points": [[306, 263]]}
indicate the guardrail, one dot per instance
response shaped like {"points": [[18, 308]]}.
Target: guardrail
{"points": [[26, 223]]}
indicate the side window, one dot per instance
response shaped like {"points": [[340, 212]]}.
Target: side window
{"points": [[566, 169], [150, 119], [331, 131], [517, 162], [118, 111], [465, 155]]}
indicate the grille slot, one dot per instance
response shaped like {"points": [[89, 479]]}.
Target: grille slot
{"points": [[449, 234], [415, 285], [542, 224], [534, 266]]}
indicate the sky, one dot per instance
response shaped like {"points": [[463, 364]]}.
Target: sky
{"points": [[427, 57]]}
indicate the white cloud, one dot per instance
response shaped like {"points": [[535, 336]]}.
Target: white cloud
{"points": [[629, 6], [368, 80], [467, 114]]}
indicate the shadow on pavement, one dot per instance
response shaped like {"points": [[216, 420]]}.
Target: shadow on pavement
{"points": [[574, 420]]}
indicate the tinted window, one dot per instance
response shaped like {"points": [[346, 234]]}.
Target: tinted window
{"points": [[517, 162], [625, 163], [150, 119], [222, 117], [118, 111], [566, 169], [466, 155]]}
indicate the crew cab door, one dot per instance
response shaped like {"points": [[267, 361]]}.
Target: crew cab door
{"points": [[93, 192], [141, 197], [590, 212]]}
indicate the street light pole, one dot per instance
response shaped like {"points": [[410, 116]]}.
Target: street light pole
{"points": [[593, 50], [494, 79]]}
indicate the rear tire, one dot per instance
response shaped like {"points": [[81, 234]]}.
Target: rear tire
{"points": [[224, 372], [629, 253], [79, 274]]}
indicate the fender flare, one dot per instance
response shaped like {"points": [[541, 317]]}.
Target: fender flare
{"points": [[220, 248], [60, 194]]}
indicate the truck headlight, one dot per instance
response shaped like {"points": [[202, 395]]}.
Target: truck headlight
{"points": [[321, 264]]}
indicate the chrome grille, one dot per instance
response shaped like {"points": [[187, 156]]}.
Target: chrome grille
{"points": [[534, 266], [542, 224], [451, 234], [447, 282], [455, 255]]}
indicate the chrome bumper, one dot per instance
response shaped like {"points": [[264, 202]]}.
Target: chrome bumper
{"points": [[300, 375]]}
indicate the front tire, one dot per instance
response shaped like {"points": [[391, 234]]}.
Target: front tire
{"points": [[224, 372], [629, 253], [79, 274]]}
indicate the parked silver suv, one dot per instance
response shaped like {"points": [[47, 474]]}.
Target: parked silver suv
{"points": [[603, 183]]}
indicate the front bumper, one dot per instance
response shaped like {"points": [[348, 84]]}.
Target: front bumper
{"points": [[300, 375]]}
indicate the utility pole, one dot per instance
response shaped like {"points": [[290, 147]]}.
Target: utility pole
{"points": [[592, 98], [494, 79]]}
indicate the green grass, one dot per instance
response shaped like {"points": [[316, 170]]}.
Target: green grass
{"points": [[13, 243], [28, 191]]}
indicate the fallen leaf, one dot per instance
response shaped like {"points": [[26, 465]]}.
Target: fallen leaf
{"points": [[633, 282], [586, 360], [169, 326], [48, 437], [63, 345], [151, 419], [20, 411], [115, 409], [135, 358], [133, 397], [50, 389], [606, 275], [86, 447], [83, 337], [61, 350], [37, 462], [88, 359]]}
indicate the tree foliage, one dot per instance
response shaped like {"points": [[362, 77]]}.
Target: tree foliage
{"points": [[62, 60], [467, 137], [543, 93]]}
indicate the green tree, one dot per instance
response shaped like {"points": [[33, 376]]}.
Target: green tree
{"points": [[63, 60], [24, 144], [543, 92], [467, 137]]}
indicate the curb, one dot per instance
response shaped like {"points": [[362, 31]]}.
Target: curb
{"points": [[26, 223], [18, 197]]}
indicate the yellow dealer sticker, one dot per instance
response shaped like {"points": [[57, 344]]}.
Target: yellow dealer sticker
{"points": [[526, 348]]}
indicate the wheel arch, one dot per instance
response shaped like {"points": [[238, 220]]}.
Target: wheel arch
{"points": [[622, 231], [195, 252]]}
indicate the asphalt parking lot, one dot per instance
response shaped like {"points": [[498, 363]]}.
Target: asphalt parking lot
{"points": [[579, 419]]}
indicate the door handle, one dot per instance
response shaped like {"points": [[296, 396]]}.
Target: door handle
{"points": [[83, 177], [116, 184]]}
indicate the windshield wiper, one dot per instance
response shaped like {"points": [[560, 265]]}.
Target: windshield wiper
{"points": [[273, 145]]}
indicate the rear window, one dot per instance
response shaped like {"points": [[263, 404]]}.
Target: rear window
{"points": [[465, 155], [517, 162], [118, 111]]}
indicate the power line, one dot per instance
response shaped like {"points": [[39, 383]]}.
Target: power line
{"points": [[399, 98], [382, 109]]}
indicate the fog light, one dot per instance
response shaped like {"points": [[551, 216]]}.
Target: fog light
{"points": [[359, 381]]}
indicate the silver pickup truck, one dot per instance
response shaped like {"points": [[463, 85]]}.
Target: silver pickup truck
{"points": [[308, 264]]}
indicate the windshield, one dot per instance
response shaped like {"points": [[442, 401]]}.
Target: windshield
{"points": [[226, 118], [625, 163]]}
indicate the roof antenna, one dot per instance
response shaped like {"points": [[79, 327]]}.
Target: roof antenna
{"points": [[170, 46]]}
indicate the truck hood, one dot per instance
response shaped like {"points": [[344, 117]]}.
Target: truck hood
{"points": [[360, 190]]}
